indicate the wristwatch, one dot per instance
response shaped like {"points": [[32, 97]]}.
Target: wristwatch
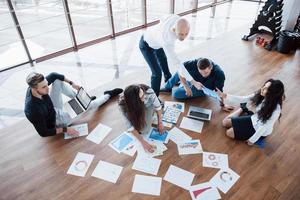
{"points": [[65, 129], [71, 83]]}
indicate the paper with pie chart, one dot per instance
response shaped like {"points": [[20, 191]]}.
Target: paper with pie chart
{"points": [[215, 160], [107, 171], [80, 164], [224, 179], [204, 191]]}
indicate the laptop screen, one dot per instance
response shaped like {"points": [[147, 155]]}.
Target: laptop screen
{"points": [[83, 98]]}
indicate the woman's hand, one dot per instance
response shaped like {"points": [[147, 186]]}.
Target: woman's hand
{"points": [[148, 147], [76, 87], [161, 128]]}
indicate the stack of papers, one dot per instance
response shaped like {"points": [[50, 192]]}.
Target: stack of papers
{"points": [[215, 160], [107, 171], [189, 147], [179, 177], [191, 124], [224, 179], [204, 191], [146, 164], [178, 136], [171, 115], [122, 142], [80, 164], [147, 185], [174, 105], [99, 133], [81, 128]]}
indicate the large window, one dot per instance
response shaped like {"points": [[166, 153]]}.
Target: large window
{"points": [[156, 9], [11, 49], [127, 14], [44, 26], [90, 19], [53, 27]]}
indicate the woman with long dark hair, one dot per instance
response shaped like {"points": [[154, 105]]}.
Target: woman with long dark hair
{"points": [[267, 102], [138, 104]]}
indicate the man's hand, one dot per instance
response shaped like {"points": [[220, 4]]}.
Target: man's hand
{"points": [[160, 128], [72, 132], [188, 91], [227, 108], [148, 147], [197, 85], [76, 87]]}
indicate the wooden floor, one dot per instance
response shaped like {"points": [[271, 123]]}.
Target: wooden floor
{"points": [[32, 167]]}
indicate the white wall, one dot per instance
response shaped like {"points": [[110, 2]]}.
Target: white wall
{"points": [[291, 10]]}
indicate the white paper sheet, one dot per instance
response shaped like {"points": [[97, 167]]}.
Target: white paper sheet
{"points": [[99, 133], [122, 142], [191, 124], [81, 128], [80, 164], [178, 136], [179, 177], [189, 147], [175, 105], [204, 191], [107, 171], [146, 164], [131, 149], [147, 185], [224, 179], [215, 160]]}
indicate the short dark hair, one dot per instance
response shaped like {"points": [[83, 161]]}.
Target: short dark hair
{"points": [[34, 78], [203, 63]]}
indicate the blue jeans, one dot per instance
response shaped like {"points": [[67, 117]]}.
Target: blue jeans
{"points": [[179, 93], [157, 61]]}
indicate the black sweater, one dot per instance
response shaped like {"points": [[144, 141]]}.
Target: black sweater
{"points": [[40, 112]]}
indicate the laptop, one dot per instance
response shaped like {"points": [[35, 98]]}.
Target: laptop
{"points": [[199, 113], [79, 104]]}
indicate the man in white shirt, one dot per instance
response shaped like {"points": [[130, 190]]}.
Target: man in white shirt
{"points": [[157, 44]]}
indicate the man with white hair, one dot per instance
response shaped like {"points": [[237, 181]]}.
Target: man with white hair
{"points": [[157, 44]]}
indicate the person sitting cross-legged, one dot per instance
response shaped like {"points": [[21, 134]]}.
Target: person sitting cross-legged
{"points": [[207, 73], [45, 110]]}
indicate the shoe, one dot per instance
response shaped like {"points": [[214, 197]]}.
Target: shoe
{"points": [[165, 90], [93, 98], [114, 92]]}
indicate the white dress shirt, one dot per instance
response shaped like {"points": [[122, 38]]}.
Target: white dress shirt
{"points": [[162, 36], [261, 129]]}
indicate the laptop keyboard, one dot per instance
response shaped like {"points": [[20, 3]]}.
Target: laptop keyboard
{"points": [[199, 114], [75, 106]]}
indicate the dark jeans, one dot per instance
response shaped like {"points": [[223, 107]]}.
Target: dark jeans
{"points": [[157, 61]]}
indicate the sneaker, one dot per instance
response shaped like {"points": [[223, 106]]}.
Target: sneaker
{"points": [[114, 92], [93, 98], [165, 90]]}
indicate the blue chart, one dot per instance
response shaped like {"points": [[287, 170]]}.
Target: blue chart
{"points": [[155, 135], [122, 142]]}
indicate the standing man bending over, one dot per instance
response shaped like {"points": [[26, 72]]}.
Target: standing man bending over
{"points": [[157, 44], [44, 110]]}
